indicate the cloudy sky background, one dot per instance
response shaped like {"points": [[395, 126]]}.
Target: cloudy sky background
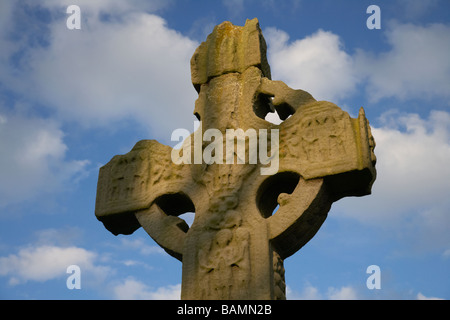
{"points": [[72, 99]]}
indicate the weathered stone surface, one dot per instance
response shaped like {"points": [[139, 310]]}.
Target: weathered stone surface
{"points": [[229, 48], [235, 247]]}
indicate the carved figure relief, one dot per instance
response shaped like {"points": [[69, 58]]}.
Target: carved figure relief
{"points": [[162, 169], [225, 263], [129, 176], [323, 137], [290, 141], [220, 178], [224, 257]]}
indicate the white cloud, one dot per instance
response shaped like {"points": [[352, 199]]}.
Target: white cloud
{"points": [[310, 292], [48, 257], [113, 6], [33, 160], [446, 254], [317, 63], [140, 245], [234, 7], [131, 289], [344, 293], [63, 237], [416, 66], [44, 263], [420, 296], [6, 8], [410, 193], [131, 66], [415, 9]]}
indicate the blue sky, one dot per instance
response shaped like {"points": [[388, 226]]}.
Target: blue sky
{"points": [[72, 99]]}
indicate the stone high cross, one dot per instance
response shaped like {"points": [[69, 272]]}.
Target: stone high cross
{"points": [[235, 247]]}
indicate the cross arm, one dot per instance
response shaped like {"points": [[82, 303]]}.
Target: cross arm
{"points": [[144, 188], [333, 155], [322, 141]]}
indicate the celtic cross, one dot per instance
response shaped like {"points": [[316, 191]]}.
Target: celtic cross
{"points": [[236, 245]]}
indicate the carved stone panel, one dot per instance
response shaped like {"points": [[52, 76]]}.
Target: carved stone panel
{"points": [[132, 181]]}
